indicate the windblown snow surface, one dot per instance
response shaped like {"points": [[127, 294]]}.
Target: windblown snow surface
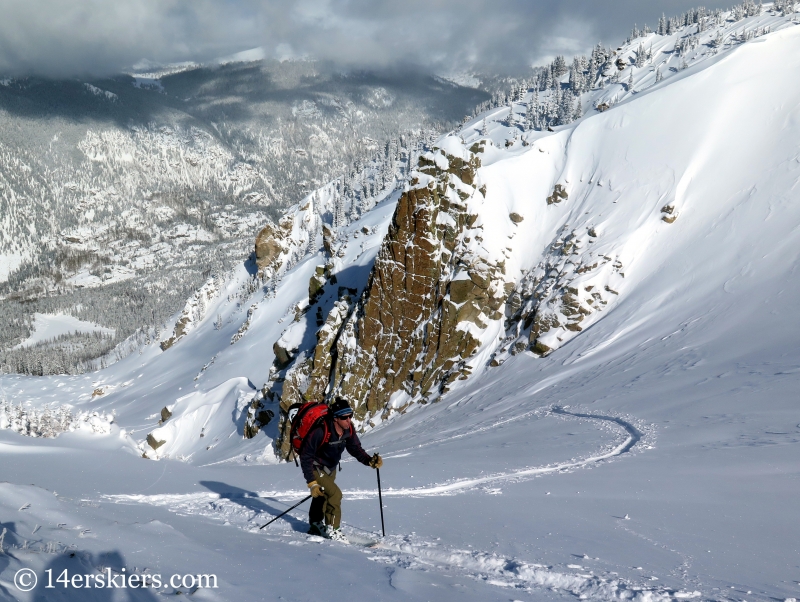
{"points": [[653, 456]]}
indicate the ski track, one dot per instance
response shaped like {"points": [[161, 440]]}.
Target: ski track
{"points": [[512, 573], [412, 552]]}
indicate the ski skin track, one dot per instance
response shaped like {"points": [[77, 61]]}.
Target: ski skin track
{"points": [[633, 438], [510, 572], [485, 566]]}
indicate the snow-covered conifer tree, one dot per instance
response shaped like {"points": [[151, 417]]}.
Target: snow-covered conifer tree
{"points": [[578, 111], [559, 67], [532, 116], [565, 109], [641, 55], [576, 77]]}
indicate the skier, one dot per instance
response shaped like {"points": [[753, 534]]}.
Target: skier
{"points": [[319, 458]]}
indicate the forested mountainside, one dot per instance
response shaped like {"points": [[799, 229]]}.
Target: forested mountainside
{"points": [[140, 187], [152, 211], [485, 259]]}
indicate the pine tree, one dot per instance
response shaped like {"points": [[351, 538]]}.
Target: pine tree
{"points": [[559, 67], [591, 74], [641, 55], [578, 111], [566, 109], [576, 77], [532, 115]]}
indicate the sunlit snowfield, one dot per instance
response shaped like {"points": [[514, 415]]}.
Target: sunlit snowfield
{"points": [[653, 456]]}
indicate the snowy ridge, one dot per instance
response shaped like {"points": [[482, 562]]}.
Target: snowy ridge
{"points": [[685, 196], [605, 210]]}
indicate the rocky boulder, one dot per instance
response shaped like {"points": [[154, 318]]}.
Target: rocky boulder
{"points": [[271, 242]]}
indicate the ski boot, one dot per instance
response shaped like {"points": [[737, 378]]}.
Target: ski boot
{"points": [[338, 535], [320, 529]]}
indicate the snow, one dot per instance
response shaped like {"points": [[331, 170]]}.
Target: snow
{"points": [[9, 262], [148, 82], [47, 327], [115, 273], [651, 456], [100, 92]]}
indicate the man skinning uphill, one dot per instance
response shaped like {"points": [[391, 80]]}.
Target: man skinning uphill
{"points": [[320, 454]]}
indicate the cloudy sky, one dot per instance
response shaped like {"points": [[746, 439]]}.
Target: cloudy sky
{"points": [[61, 38]]}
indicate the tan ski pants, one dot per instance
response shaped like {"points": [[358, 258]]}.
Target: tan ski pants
{"points": [[329, 505]]}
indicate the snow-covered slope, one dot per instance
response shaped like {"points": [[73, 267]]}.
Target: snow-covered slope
{"points": [[650, 454]]}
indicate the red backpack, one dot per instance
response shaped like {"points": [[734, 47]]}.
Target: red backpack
{"points": [[304, 417]]}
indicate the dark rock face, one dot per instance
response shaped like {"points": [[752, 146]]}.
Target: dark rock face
{"points": [[316, 285], [429, 295], [283, 356]]}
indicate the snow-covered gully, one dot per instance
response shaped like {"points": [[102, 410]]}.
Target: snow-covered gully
{"points": [[633, 437], [413, 552], [193, 503]]}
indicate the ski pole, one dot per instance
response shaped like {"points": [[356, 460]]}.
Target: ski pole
{"points": [[380, 499], [282, 513]]}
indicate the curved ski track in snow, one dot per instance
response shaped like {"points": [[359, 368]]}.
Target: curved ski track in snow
{"points": [[453, 487], [633, 437], [411, 552]]}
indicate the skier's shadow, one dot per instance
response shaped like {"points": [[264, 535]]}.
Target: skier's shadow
{"points": [[251, 501]]}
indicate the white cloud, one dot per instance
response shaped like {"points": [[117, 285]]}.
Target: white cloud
{"points": [[58, 38]]}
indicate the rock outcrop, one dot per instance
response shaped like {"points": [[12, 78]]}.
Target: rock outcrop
{"points": [[554, 301], [559, 194], [431, 293], [193, 312], [271, 242], [669, 214]]}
